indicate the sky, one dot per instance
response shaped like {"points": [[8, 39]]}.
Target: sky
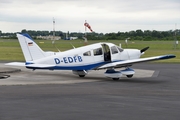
{"points": [[104, 16]]}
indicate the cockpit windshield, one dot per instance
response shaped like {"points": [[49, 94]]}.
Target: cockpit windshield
{"points": [[120, 49]]}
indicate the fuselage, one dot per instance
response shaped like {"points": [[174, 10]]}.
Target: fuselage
{"points": [[88, 57]]}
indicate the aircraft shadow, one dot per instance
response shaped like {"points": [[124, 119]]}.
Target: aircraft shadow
{"points": [[98, 78]]}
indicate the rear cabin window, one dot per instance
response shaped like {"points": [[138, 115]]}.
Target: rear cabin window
{"points": [[114, 50], [97, 51], [88, 53]]}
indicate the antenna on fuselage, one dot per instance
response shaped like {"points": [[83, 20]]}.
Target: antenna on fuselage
{"points": [[72, 45]]}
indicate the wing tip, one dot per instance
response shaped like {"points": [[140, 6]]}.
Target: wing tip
{"points": [[168, 56]]}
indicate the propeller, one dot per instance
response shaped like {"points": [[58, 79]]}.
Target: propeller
{"points": [[144, 49]]}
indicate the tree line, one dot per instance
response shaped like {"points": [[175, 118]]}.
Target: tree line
{"points": [[133, 35]]}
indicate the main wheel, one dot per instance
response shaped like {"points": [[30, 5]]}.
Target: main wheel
{"points": [[115, 79], [81, 75], [129, 76]]}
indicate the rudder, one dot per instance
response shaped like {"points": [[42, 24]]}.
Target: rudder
{"points": [[29, 48]]}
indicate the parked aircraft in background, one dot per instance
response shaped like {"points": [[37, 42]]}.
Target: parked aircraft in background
{"points": [[84, 59]]}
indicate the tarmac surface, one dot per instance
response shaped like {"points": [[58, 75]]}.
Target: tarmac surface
{"points": [[152, 94]]}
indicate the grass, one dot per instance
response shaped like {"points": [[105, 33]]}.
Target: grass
{"points": [[10, 49]]}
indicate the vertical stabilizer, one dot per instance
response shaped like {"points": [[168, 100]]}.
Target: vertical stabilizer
{"points": [[30, 49]]}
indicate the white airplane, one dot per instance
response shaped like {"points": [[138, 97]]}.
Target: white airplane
{"points": [[84, 59]]}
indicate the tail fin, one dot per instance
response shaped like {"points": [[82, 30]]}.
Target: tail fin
{"points": [[30, 49]]}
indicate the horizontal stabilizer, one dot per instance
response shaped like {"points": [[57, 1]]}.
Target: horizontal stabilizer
{"points": [[16, 64], [39, 66], [30, 65]]}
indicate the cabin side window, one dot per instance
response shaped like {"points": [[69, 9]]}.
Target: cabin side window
{"points": [[88, 53], [114, 50], [97, 51]]}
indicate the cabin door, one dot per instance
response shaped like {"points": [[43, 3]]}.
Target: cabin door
{"points": [[106, 52]]}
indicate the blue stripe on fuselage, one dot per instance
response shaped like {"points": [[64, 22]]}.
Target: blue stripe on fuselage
{"points": [[83, 67]]}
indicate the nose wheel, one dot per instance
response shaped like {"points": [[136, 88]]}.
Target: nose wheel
{"points": [[129, 76], [115, 79], [81, 75]]}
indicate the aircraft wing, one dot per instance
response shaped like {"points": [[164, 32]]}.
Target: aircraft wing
{"points": [[126, 63]]}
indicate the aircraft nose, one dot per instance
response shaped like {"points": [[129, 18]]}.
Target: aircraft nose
{"points": [[134, 53]]}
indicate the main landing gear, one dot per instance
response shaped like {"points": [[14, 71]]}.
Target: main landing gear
{"points": [[81, 75], [115, 75], [128, 76], [115, 79]]}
